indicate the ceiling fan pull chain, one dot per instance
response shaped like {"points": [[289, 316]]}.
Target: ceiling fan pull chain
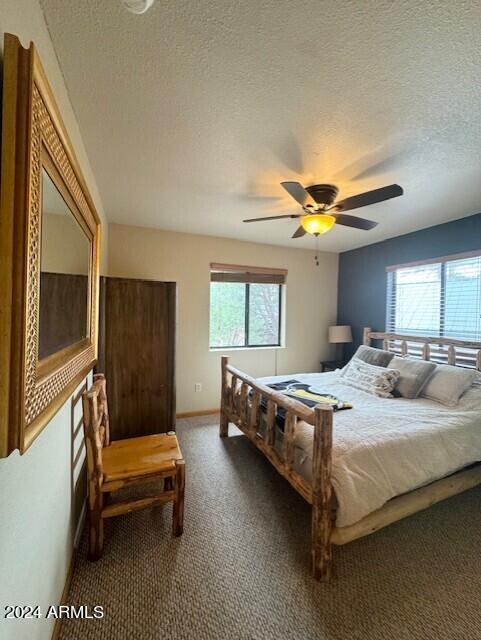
{"points": [[316, 258]]}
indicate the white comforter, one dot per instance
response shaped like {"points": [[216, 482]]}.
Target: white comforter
{"points": [[384, 447]]}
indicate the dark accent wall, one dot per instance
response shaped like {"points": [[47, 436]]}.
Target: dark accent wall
{"points": [[362, 272]]}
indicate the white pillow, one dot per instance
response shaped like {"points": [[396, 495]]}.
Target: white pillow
{"points": [[414, 376], [448, 383], [378, 381]]}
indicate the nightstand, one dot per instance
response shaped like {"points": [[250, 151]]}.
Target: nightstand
{"points": [[331, 365]]}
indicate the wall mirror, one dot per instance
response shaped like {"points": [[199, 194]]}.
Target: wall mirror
{"points": [[64, 274], [49, 236]]}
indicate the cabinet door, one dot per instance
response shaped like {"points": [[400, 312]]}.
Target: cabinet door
{"points": [[137, 355]]}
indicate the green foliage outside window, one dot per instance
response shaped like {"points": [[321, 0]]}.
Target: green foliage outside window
{"points": [[243, 315]]}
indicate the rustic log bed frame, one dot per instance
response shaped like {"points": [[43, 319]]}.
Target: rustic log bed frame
{"points": [[241, 405]]}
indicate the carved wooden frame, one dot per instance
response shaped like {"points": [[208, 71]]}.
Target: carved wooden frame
{"points": [[34, 137]]}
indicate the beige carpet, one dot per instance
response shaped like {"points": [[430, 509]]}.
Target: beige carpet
{"points": [[241, 569]]}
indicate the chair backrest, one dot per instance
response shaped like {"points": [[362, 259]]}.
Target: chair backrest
{"points": [[96, 425]]}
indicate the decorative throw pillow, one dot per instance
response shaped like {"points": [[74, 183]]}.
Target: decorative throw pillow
{"points": [[378, 381], [414, 375], [448, 383], [377, 357]]}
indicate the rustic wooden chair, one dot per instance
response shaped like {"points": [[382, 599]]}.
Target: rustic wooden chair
{"points": [[112, 466]]}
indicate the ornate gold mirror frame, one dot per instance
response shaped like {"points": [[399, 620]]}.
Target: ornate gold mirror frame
{"points": [[35, 140]]}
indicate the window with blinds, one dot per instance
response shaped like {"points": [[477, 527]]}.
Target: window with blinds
{"points": [[245, 306], [440, 299]]}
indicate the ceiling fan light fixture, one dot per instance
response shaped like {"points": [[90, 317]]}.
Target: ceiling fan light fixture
{"points": [[318, 223]]}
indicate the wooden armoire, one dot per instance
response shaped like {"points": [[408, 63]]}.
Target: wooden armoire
{"points": [[137, 354]]}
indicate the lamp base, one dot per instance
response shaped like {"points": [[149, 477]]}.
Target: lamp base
{"points": [[340, 352]]}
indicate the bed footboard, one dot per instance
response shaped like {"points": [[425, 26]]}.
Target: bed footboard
{"points": [[241, 404]]}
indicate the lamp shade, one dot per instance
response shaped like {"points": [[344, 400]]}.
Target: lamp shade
{"points": [[317, 223], [340, 333]]}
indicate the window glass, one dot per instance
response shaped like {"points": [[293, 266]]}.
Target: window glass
{"points": [[418, 295], [462, 313], [439, 299], [227, 314], [263, 314], [244, 314]]}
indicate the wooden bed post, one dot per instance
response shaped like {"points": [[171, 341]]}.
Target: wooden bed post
{"points": [[224, 420], [322, 505], [366, 336]]}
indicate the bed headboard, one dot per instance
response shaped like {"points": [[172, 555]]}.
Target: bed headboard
{"points": [[461, 353]]}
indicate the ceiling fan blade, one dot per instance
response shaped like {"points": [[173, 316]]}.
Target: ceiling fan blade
{"points": [[292, 215], [299, 233], [369, 197], [297, 191], [352, 221]]}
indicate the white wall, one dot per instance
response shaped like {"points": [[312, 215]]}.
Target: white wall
{"points": [[36, 503], [137, 252], [38, 523]]}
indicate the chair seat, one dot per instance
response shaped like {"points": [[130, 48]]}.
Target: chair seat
{"points": [[137, 457]]}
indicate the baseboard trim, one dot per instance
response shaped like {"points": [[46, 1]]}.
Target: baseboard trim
{"points": [[193, 414], [68, 580]]}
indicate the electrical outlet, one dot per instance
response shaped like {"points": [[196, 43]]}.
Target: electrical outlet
{"points": [[198, 387]]}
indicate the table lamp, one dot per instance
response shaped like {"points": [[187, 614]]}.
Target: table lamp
{"points": [[340, 334]]}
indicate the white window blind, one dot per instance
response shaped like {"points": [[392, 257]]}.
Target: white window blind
{"points": [[441, 298]]}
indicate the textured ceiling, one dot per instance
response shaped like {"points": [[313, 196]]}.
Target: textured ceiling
{"points": [[194, 112]]}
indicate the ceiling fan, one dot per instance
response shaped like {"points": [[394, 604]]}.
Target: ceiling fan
{"points": [[321, 212]]}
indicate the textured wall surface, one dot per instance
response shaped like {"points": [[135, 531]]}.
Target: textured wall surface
{"points": [[195, 109], [362, 273]]}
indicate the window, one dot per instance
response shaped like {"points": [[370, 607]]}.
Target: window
{"points": [[245, 306], [441, 299]]}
